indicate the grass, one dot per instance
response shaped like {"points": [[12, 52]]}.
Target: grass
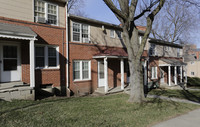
{"points": [[112, 110], [182, 94]]}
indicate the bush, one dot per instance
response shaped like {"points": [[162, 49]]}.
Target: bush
{"points": [[193, 81]]}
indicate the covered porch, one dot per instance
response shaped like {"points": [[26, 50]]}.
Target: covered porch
{"points": [[172, 72], [12, 38], [111, 70]]}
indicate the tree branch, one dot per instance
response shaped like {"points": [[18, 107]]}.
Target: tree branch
{"points": [[116, 11]]}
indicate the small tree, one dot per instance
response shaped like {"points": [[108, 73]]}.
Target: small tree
{"points": [[125, 11]]}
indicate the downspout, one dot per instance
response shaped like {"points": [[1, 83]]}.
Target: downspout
{"points": [[67, 51]]}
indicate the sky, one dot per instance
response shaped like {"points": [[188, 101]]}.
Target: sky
{"points": [[97, 9]]}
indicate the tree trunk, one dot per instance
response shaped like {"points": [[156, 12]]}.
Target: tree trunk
{"points": [[136, 81]]}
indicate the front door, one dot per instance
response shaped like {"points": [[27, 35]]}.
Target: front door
{"points": [[10, 69], [101, 76]]}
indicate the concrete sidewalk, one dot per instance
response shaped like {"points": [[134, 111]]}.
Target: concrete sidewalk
{"points": [[191, 119]]}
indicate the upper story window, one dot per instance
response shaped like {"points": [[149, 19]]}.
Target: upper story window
{"points": [[46, 12], [80, 32], [152, 50], [46, 57], [178, 52], [112, 33]]}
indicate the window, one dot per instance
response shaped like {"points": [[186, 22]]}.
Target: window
{"points": [[153, 72], [39, 57], [47, 10], [46, 57], [192, 73], [152, 50], [52, 57], [81, 70], [178, 52], [112, 33], [140, 39], [80, 32]]}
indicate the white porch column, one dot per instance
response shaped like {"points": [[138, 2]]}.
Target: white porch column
{"points": [[169, 75], [181, 74], [106, 74], [32, 63], [122, 74], [175, 75]]}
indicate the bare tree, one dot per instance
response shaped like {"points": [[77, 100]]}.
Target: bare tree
{"points": [[176, 19], [126, 14], [76, 7]]}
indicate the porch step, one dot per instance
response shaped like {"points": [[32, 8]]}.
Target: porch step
{"points": [[16, 90], [11, 85], [101, 91]]}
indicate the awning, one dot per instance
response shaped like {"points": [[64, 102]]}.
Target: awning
{"points": [[173, 62], [16, 32], [112, 52]]}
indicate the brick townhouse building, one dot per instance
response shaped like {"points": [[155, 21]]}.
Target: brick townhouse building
{"points": [[36, 52]]}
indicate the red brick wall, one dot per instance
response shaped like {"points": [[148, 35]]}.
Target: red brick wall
{"points": [[49, 35]]}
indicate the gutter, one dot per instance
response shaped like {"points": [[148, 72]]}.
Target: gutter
{"points": [[67, 48]]}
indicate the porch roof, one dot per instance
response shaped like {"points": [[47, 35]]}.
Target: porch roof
{"points": [[173, 62], [112, 53], [16, 32]]}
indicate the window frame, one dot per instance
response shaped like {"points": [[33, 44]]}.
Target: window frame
{"points": [[46, 57], [81, 70], [154, 71], [81, 33], [192, 73], [113, 33], [46, 11]]}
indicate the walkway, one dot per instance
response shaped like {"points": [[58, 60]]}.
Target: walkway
{"points": [[191, 119]]}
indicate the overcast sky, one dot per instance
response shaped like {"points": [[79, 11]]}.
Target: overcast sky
{"points": [[96, 9]]}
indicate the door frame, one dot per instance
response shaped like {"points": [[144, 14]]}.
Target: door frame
{"points": [[11, 43]]}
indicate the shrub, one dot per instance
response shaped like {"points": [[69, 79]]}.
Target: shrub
{"points": [[193, 81]]}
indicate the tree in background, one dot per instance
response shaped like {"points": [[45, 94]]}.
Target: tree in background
{"points": [[127, 13], [75, 7], [176, 21]]}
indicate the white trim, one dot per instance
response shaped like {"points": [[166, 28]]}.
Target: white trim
{"points": [[169, 75], [106, 74], [32, 64], [162, 65], [122, 73], [175, 75], [17, 37]]}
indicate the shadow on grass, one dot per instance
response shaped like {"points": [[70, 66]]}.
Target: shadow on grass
{"points": [[180, 94], [35, 103]]}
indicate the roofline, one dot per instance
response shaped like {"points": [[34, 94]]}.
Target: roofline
{"points": [[153, 40], [94, 21], [99, 22]]}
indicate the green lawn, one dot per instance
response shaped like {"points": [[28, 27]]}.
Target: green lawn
{"points": [[183, 94], [112, 110]]}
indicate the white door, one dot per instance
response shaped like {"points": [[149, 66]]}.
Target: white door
{"points": [[101, 76], [162, 77], [10, 63]]}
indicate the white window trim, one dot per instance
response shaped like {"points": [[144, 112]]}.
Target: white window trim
{"points": [[113, 35], [46, 11], [46, 66], [80, 32], [140, 40], [81, 70], [152, 73]]}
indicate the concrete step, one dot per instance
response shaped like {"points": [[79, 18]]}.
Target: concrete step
{"points": [[10, 85]]}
